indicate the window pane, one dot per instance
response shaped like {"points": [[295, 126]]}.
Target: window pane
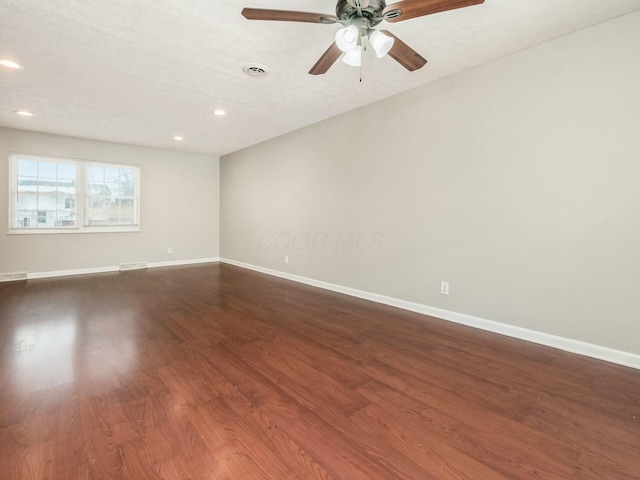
{"points": [[64, 219], [27, 202], [65, 211], [46, 194], [26, 219], [27, 184], [46, 185], [66, 171], [96, 174], [127, 183], [112, 196], [111, 211], [126, 211], [47, 210], [27, 168], [66, 186], [27, 211], [111, 176], [96, 217], [47, 169]]}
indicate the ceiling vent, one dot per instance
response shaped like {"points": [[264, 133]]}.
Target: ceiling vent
{"points": [[255, 70], [11, 277]]}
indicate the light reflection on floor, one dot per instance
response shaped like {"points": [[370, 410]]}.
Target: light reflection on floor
{"points": [[45, 354]]}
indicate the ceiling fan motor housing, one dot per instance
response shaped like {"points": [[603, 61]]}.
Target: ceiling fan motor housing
{"points": [[347, 11]]}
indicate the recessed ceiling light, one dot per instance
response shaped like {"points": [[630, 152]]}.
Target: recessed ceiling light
{"points": [[178, 139], [24, 113], [219, 112], [11, 64]]}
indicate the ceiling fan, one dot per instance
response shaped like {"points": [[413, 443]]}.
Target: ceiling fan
{"points": [[359, 19]]}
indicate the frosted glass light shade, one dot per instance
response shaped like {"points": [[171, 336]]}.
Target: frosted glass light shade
{"points": [[381, 43], [353, 57], [347, 38]]}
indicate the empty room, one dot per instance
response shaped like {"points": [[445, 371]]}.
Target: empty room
{"points": [[330, 239]]}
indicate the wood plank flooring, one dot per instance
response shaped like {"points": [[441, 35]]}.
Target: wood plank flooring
{"points": [[215, 372]]}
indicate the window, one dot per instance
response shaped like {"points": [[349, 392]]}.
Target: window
{"points": [[53, 195], [42, 190]]}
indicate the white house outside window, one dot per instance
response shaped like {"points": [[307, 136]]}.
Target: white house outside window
{"points": [[111, 195], [49, 195]]}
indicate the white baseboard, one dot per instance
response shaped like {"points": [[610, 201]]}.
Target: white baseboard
{"points": [[86, 271], [574, 346], [179, 263], [77, 271]]}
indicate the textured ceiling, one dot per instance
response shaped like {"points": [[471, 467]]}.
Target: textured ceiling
{"points": [[143, 71]]}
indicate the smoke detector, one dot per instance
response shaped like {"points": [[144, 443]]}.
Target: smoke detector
{"points": [[255, 70]]}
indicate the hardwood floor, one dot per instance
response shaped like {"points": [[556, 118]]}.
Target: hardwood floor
{"points": [[214, 372]]}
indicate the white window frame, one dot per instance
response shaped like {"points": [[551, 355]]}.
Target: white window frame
{"points": [[81, 197]]}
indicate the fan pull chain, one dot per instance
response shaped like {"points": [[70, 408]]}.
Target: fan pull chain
{"points": [[364, 49]]}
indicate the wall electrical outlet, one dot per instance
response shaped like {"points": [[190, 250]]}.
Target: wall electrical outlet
{"points": [[169, 249], [286, 259], [444, 288]]}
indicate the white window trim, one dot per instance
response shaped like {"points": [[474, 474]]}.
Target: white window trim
{"points": [[82, 197]]}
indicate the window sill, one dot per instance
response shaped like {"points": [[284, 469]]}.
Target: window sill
{"points": [[63, 231]]}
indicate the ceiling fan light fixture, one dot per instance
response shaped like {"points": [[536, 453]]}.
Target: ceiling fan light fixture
{"points": [[381, 43], [353, 58], [347, 38]]}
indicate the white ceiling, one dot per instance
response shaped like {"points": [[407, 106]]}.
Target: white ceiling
{"points": [[142, 71]]}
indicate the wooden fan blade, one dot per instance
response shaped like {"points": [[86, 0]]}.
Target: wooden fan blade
{"points": [[418, 8], [327, 59], [287, 16], [404, 54]]}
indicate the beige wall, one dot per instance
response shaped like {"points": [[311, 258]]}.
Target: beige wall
{"points": [[518, 182], [179, 208]]}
